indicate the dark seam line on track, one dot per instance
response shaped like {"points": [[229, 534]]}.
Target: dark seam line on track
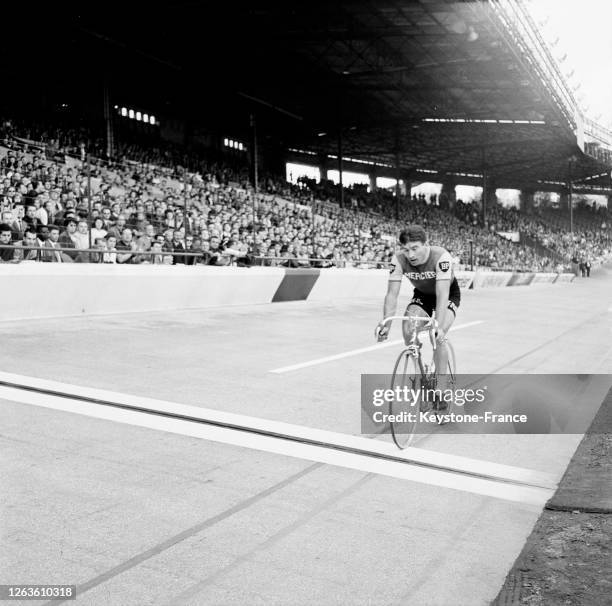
{"points": [[195, 589], [273, 434], [189, 532], [532, 351]]}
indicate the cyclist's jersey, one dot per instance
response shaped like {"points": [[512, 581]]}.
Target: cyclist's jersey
{"points": [[437, 266]]}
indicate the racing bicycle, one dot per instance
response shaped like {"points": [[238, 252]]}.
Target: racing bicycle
{"points": [[415, 369]]}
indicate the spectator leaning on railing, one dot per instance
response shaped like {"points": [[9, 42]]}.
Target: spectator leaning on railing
{"points": [[6, 254]]}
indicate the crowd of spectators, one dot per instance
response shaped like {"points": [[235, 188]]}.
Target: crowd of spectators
{"points": [[549, 228], [160, 212]]}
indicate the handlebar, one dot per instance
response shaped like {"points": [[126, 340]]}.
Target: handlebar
{"points": [[431, 321], [382, 329]]}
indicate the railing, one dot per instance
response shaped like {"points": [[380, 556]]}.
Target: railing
{"points": [[599, 132], [535, 55], [47, 254]]}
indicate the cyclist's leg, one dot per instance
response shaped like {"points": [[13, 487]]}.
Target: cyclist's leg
{"points": [[419, 306], [441, 356], [441, 353]]}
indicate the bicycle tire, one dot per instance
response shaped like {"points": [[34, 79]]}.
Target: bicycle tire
{"points": [[452, 362], [452, 374], [405, 372]]}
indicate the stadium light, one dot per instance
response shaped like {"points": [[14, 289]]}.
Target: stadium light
{"points": [[124, 111], [131, 114], [152, 119], [145, 118], [138, 116]]}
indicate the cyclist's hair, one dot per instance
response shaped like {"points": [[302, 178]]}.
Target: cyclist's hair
{"points": [[413, 233]]}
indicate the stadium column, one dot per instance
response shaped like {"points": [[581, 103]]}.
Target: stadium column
{"points": [[254, 154], [372, 176], [489, 196], [491, 191], [409, 181], [397, 186], [108, 120], [85, 160], [526, 200], [571, 160], [485, 186], [323, 166], [255, 169], [186, 204], [447, 194], [340, 185]]}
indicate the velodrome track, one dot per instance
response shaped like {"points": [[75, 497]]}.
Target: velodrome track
{"points": [[139, 508]]}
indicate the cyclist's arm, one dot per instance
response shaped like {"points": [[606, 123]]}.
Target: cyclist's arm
{"points": [[442, 292], [444, 275], [393, 288], [390, 306]]}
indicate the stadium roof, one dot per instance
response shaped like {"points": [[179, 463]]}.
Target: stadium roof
{"points": [[442, 87]]}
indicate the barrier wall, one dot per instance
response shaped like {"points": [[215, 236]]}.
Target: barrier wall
{"points": [[465, 279], [352, 283], [544, 278], [45, 290], [521, 279], [487, 279]]}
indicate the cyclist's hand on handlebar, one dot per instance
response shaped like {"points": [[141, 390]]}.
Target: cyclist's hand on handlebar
{"points": [[382, 332]]}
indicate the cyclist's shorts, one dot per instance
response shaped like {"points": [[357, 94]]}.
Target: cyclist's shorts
{"points": [[428, 302]]}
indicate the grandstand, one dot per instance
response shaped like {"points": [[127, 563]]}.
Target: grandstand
{"points": [[215, 397], [455, 129]]}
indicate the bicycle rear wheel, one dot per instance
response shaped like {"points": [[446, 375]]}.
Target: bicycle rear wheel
{"points": [[452, 363], [404, 418], [449, 384]]}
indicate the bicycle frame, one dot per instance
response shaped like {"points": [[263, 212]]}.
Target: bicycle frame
{"points": [[428, 376], [414, 346]]}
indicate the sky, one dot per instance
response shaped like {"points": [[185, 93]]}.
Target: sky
{"points": [[582, 30]]}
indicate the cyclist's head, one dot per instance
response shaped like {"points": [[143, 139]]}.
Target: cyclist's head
{"points": [[413, 240], [413, 233]]}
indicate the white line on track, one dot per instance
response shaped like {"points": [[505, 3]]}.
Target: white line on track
{"points": [[541, 486], [356, 352]]}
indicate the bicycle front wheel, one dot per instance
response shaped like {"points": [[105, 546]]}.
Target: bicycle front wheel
{"points": [[404, 418]]}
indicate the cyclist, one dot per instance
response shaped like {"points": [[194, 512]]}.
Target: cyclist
{"points": [[429, 269]]}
